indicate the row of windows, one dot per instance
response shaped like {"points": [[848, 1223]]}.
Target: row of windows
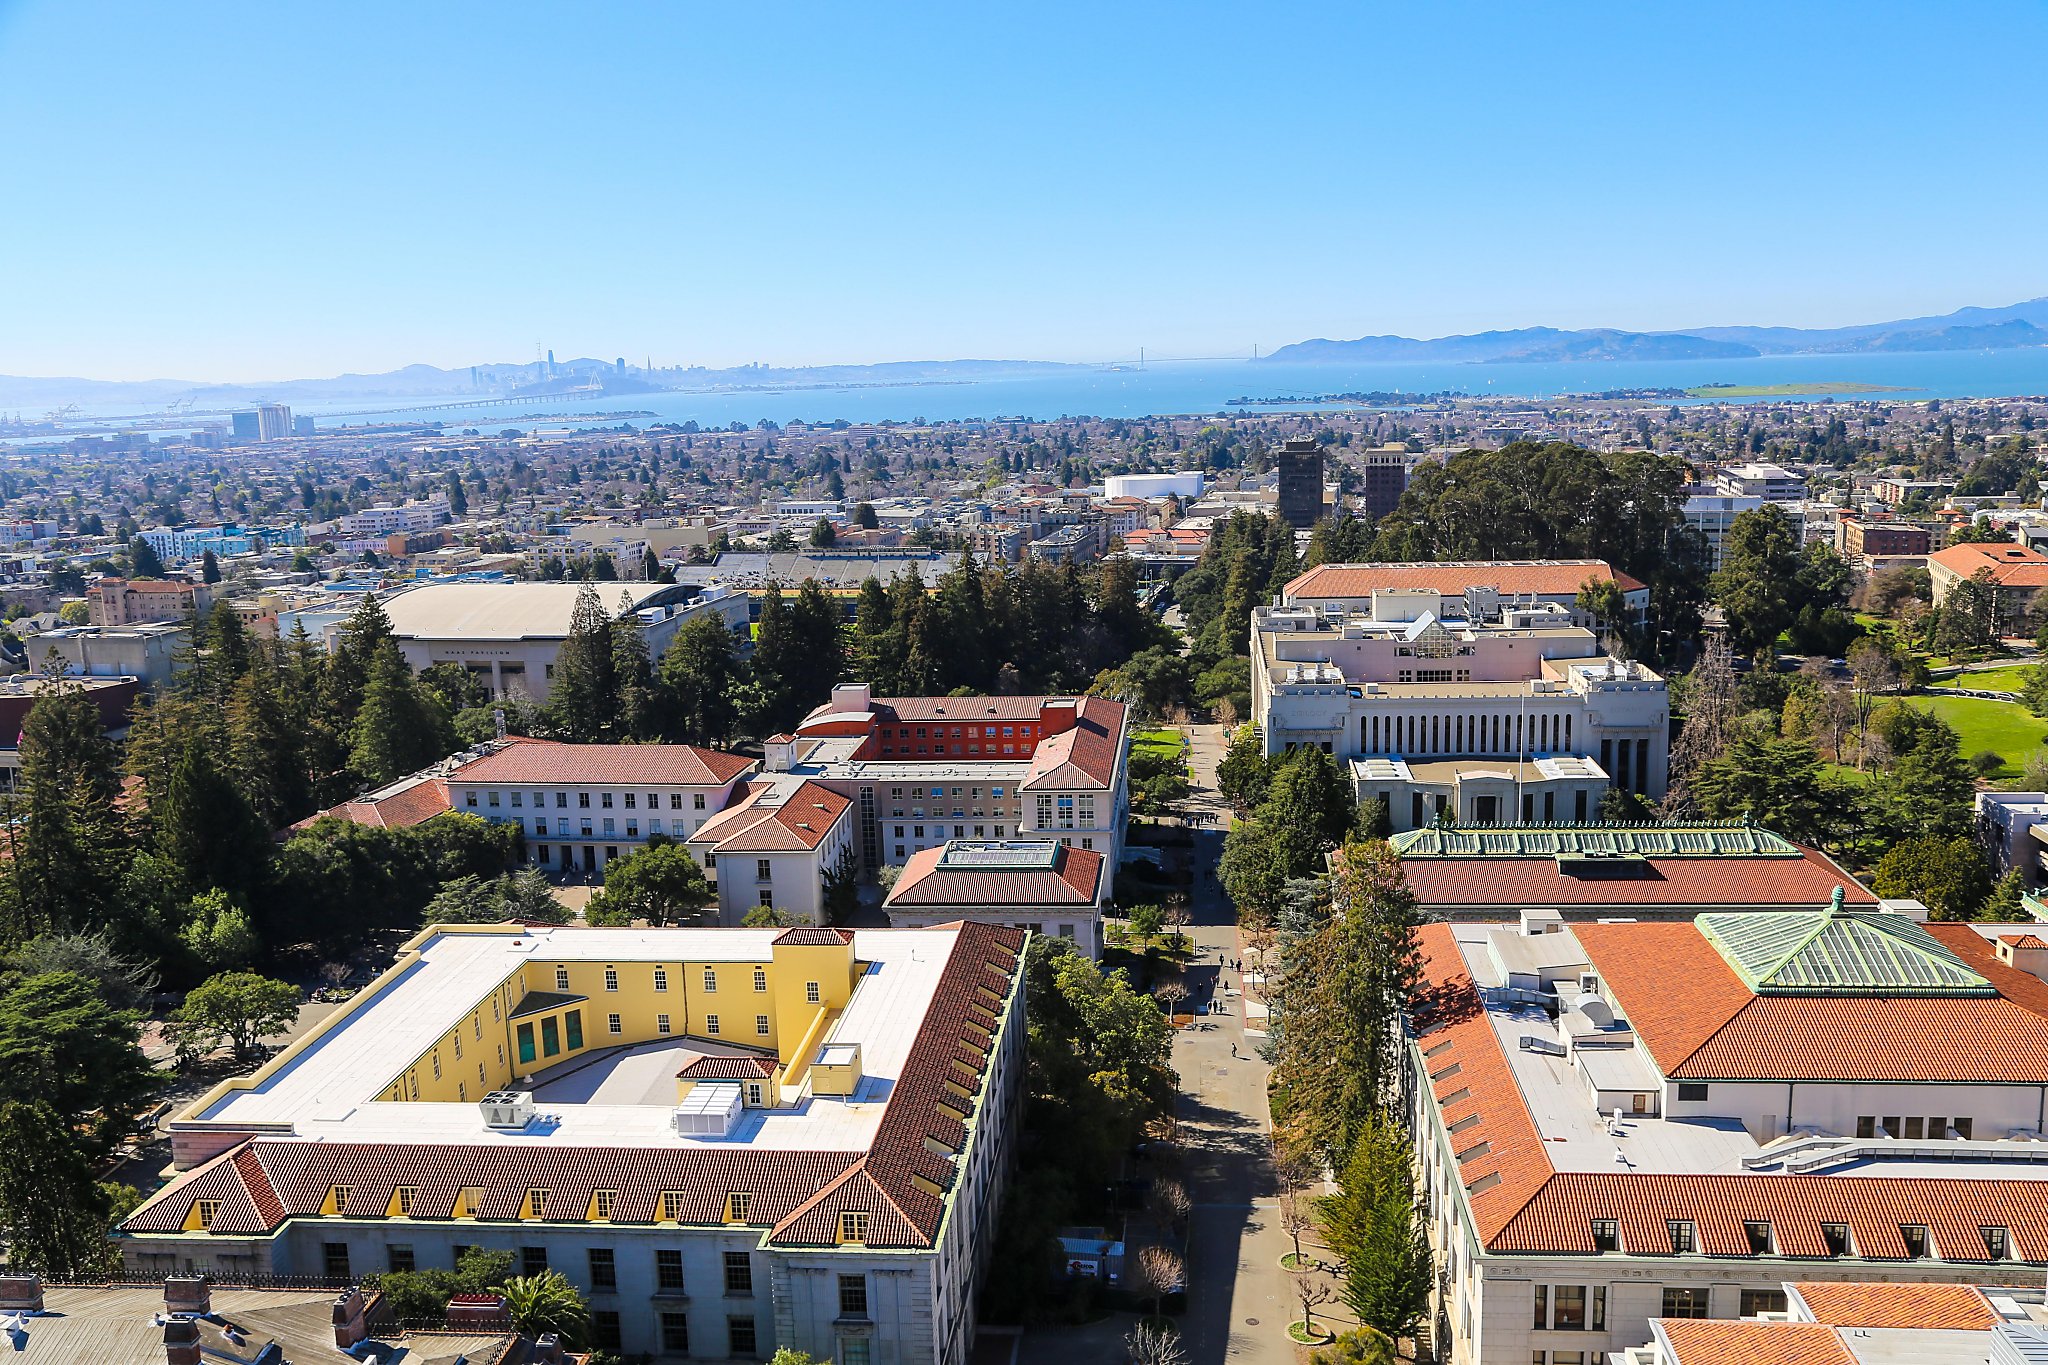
{"points": [[986, 750], [958, 732], [1914, 1127], [631, 800], [853, 1224], [939, 793], [1583, 1308], [1835, 1238], [611, 981], [588, 829], [959, 832]]}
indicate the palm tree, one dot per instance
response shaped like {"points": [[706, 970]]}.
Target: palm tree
{"points": [[547, 1302]]}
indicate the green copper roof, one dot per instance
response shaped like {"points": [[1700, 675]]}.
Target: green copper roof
{"points": [[1838, 952], [1550, 841]]}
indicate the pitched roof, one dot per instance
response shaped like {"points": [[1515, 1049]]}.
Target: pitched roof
{"points": [[1548, 577], [403, 804], [1956, 1307], [1701, 1022], [941, 876], [1707, 1341], [1493, 884], [2012, 565], [1837, 952], [1549, 841], [905, 1175], [1085, 755], [744, 1067], [676, 764], [804, 819], [813, 936]]}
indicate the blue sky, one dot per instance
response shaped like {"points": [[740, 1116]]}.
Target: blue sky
{"points": [[216, 191]]}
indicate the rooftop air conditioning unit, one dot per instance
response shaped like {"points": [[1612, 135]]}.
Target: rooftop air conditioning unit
{"points": [[1589, 983], [509, 1109]]}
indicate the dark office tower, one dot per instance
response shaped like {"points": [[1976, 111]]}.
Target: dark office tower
{"points": [[1301, 483], [1385, 471]]}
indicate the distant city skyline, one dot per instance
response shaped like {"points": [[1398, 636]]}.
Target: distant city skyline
{"points": [[248, 193]]}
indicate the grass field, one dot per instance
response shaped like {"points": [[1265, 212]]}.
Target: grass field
{"points": [[1157, 743], [2012, 679], [2005, 728], [1784, 390]]}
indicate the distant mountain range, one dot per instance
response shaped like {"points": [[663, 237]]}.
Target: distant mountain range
{"points": [[1966, 329]]}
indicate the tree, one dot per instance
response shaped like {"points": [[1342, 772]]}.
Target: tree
{"points": [[1243, 774], [65, 1045], [1312, 1292], [209, 567], [768, 917], [1757, 584], [1373, 1223], [1098, 1055], [524, 896], [235, 1008], [1171, 996], [547, 1302], [1159, 1271], [218, 933], [864, 516], [1931, 788], [1344, 984], [125, 983], [55, 1215], [660, 883], [1773, 782], [64, 871], [205, 829], [143, 561], [700, 674], [1361, 1346], [583, 699], [2005, 906], [1147, 1344], [824, 535], [1947, 875]]}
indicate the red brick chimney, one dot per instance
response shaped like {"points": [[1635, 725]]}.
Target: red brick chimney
{"points": [[1056, 718], [478, 1310], [351, 1319], [21, 1293], [181, 1342], [187, 1294]]}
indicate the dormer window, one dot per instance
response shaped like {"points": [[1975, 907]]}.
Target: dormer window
{"points": [[736, 1205], [1835, 1237], [853, 1227], [1759, 1234], [1997, 1242], [1606, 1234], [1915, 1238], [1684, 1236], [536, 1205], [671, 1210]]}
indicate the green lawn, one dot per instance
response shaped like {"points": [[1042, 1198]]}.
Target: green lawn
{"points": [[2004, 727], [2008, 679], [1158, 743]]}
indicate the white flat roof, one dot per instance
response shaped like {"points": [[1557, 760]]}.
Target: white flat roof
{"points": [[329, 1090], [501, 611]]}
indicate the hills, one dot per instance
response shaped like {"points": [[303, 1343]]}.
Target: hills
{"points": [[1966, 329]]}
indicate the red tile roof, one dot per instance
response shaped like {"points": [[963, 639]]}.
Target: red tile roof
{"points": [[811, 936], [409, 805], [1955, 1307], [1547, 577], [1700, 1022], [2012, 565], [1085, 756], [743, 1068], [268, 1180], [1520, 1204], [803, 821], [1705, 1341], [1075, 878], [678, 764], [1499, 885]]}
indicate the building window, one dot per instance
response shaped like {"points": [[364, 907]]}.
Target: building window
{"points": [[1692, 1090], [632, 801], [811, 995], [606, 800], [573, 1021], [1688, 1301], [853, 1296], [1997, 1242], [668, 1270], [399, 1258], [601, 1202], [1915, 1238], [1568, 1307], [697, 801], [402, 1197], [1759, 1235], [710, 980], [854, 1351], [764, 870], [611, 978], [604, 1329], [661, 978], [761, 1025], [1835, 1237], [533, 1260], [853, 1227], [736, 1205], [561, 978], [739, 1275], [614, 1023], [536, 1204], [740, 1333], [671, 1209], [675, 1333], [661, 1023], [711, 1024], [334, 1260], [1756, 1302], [767, 898], [204, 1212], [604, 1269], [1606, 1234], [582, 800], [1684, 1237], [753, 1094], [760, 979]]}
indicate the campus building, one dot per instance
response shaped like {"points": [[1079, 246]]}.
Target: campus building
{"points": [[1300, 465], [1819, 1323], [1628, 1121], [1468, 708], [730, 1140], [121, 602], [2015, 572], [1036, 884], [508, 634], [1609, 871]]}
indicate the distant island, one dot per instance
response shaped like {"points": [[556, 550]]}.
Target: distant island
{"points": [[1966, 329], [1785, 390]]}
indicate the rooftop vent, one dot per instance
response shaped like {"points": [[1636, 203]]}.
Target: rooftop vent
{"points": [[507, 1109], [708, 1111]]}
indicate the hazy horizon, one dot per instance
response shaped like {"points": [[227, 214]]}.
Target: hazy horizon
{"points": [[306, 192]]}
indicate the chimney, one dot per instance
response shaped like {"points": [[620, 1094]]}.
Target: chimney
{"points": [[478, 1310], [1056, 718], [351, 1325], [548, 1350], [21, 1293], [181, 1342], [187, 1294]]}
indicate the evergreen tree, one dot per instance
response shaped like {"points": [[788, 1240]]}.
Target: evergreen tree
{"points": [[399, 729], [209, 567], [875, 661], [1375, 1224], [206, 830], [348, 669], [778, 663], [640, 701], [700, 675], [54, 1213], [67, 842], [583, 699], [143, 561], [266, 750]]}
